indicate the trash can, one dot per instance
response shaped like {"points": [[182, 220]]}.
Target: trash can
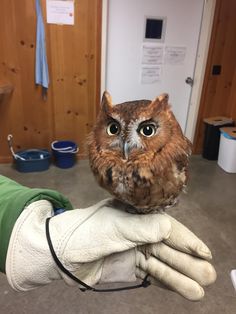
{"points": [[212, 136], [227, 150], [64, 153]]}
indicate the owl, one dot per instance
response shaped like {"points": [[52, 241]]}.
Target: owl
{"points": [[138, 153]]}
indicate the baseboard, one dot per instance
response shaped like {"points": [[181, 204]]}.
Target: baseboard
{"points": [[9, 159], [6, 159]]}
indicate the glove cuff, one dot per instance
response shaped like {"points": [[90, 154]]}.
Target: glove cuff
{"points": [[119, 267], [29, 262]]}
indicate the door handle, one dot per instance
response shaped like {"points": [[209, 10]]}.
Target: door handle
{"points": [[189, 81]]}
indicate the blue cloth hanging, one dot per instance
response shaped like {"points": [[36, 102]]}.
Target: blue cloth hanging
{"points": [[41, 65]]}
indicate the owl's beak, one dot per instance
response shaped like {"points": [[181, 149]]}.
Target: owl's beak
{"points": [[126, 150]]}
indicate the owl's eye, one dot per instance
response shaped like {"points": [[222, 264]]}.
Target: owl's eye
{"points": [[113, 128], [148, 130]]}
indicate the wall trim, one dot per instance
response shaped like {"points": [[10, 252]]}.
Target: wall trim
{"points": [[9, 159], [104, 45]]}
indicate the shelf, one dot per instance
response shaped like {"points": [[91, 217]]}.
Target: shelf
{"points": [[5, 88]]}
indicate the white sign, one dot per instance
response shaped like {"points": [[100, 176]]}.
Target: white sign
{"points": [[152, 54], [150, 75], [60, 12], [175, 55]]}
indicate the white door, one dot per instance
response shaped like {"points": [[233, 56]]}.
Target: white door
{"points": [[130, 73]]}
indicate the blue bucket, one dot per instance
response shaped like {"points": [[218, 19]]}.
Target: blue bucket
{"points": [[64, 153]]}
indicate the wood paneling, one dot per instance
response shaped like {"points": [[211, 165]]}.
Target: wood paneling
{"points": [[219, 91], [74, 68]]}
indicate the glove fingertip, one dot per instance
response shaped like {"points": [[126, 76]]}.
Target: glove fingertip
{"points": [[197, 295], [210, 275], [204, 252]]}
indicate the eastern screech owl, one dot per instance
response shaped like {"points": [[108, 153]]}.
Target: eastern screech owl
{"points": [[139, 154]]}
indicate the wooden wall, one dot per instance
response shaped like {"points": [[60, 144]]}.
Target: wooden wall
{"points": [[219, 91], [74, 68]]}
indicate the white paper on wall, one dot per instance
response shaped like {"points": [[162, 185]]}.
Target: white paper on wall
{"points": [[152, 54], [175, 55], [60, 12], [151, 74]]}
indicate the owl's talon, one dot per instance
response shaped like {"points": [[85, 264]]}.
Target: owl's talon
{"points": [[146, 250]]}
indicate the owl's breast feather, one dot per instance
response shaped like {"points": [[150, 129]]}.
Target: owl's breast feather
{"points": [[147, 186]]}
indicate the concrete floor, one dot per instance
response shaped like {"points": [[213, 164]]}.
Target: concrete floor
{"points": [[209, 209]]}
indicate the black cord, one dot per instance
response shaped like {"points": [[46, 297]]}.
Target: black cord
{"points": [[145, 283]]}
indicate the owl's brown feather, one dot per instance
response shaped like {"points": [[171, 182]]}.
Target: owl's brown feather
{"points": [[152, 172]]}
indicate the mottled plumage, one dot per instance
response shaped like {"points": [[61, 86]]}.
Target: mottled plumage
{"points": [[139, 154]]}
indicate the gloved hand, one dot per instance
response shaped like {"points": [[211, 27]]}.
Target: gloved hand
{"points": [[180, 262], [98, 244]]}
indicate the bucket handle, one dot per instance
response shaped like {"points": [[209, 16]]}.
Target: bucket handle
{"points": [[9, 139], [68, 149]]}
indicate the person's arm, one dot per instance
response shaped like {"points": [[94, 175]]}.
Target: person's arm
{"points": [[102, 244]]}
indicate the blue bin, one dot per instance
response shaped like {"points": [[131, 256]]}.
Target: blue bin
{"points": [[64, 153], [32, 160]]}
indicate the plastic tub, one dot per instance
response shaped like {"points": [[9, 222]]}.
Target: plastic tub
{"points": [[227, 150], [32, 160], [29, 160], [64, 153]]}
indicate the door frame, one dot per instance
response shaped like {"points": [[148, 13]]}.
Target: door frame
{"points": [[200, 67], [200, 63]]}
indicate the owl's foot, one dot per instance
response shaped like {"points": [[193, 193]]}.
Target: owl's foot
{"points": [[123, 206], [146, 250]]}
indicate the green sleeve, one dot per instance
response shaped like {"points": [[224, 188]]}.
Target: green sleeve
{"points": [[13, 199]]}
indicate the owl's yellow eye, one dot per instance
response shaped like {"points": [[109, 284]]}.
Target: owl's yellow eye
{"points": [[113, 128], [148, 130]]}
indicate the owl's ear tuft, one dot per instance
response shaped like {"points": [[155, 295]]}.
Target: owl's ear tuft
{"points": [[106, 103], [161, 102], [163, 98]]}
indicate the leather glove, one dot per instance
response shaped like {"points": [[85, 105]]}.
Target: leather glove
{"points": [[97, 244]]}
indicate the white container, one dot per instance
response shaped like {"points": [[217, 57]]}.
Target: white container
{"points": [[227, 149]]}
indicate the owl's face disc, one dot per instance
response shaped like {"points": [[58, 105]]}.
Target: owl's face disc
{"points": [[132, 128]]}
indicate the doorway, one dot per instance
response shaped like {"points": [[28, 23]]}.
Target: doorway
{"points": [[125, 49]]}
